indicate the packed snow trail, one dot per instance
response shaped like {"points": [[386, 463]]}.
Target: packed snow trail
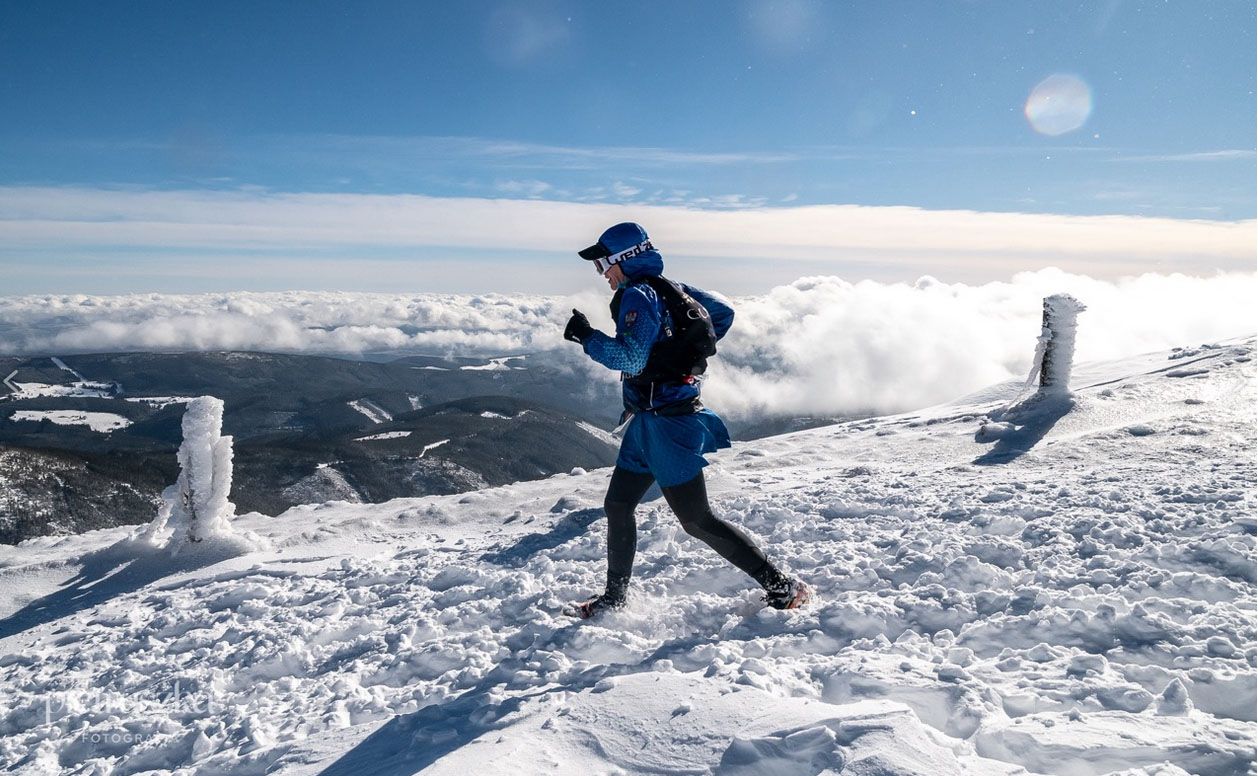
{"points": [[1081, 603]]}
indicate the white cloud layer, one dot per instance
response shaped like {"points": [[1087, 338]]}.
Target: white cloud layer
{"points": [[822, 346], [116, 228], [819, 346], [325, 322]]}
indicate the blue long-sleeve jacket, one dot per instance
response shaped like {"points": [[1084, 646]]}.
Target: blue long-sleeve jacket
{"points": [[639, 325]]}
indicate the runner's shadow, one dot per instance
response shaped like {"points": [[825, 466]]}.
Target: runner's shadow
{"points": [[567, 528], [110, 572], [409, 743]]}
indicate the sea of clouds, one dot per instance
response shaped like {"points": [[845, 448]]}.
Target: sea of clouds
{"points": [[818, 346]]}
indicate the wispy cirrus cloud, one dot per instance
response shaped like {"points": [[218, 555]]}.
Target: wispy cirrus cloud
{"points": [[528, 188], [372, 150], [518, 34], [1223, 155], [979, 178], [392, 149], [530, 154]]}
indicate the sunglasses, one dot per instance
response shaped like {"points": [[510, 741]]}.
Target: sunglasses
{"points": [[604, 259]]}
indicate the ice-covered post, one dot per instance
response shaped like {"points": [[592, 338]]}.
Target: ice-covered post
{"points": [[1055, 347], [1057, 341], [1054, 356], [196, 506]]}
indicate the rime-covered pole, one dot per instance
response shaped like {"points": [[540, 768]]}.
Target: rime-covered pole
{"points": [[196, 506], [1057, 341]]}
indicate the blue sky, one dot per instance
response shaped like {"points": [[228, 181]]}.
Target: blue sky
{"points": [[691, 106]]}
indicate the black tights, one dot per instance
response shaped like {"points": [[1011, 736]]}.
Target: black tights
{"points": [[689, 501]]}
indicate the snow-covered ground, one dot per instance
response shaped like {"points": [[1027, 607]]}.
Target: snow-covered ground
{"points": [[1076, 596], [81, 387], [87, 390], [103, 422]]}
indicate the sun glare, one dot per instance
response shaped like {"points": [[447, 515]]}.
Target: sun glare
{"points": [[1059, 104]]}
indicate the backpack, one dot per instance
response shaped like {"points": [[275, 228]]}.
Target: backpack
{"points": [[688, 342]]}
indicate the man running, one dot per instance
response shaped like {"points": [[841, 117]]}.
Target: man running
{"points": [[664, 332]]}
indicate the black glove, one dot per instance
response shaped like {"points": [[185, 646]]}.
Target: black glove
{"points": [[578, 328]]}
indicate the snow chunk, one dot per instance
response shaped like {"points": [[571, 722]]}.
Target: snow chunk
{"points": [[1103, 742], [1175, 701], [990, 432]]}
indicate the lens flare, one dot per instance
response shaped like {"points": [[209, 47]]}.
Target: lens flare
{"points": [[1058, 104]]}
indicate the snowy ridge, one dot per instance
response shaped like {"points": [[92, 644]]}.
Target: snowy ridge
{"points": [[1073, 596]]}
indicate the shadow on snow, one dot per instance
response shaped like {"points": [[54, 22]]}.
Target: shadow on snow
{"points": [[569, 527], [112, 571], [409, 743], [1020, 428]]}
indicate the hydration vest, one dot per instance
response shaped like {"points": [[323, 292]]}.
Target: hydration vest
{"points": [[688, 339]]}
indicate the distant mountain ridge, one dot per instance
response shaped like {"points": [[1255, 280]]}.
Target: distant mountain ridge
{"points": [[306, 428]]}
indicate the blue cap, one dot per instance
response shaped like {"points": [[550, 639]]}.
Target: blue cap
{"points": [[616, 239]]}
